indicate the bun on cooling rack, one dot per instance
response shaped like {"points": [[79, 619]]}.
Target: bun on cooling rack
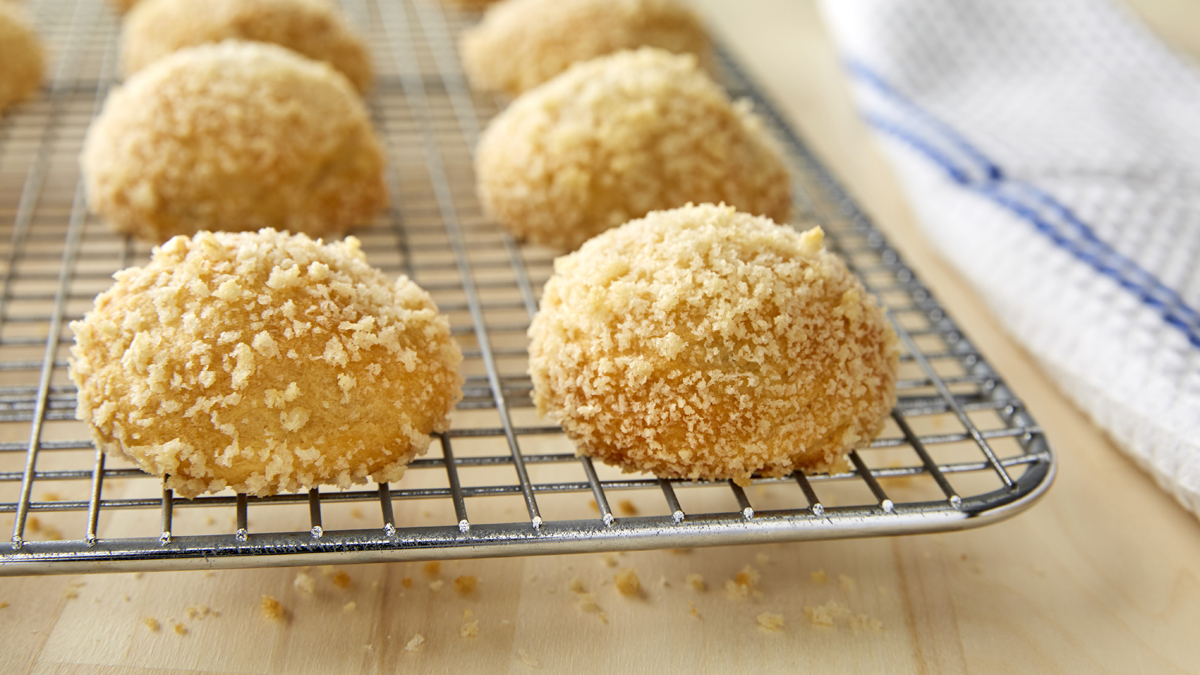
{"points": [[313, 28], [617, 137], [21, 57], [703, 343], [233, 136], [522, 43], [264, 362]]}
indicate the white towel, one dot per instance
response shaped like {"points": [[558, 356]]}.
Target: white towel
{"points": [[1052, 153]]}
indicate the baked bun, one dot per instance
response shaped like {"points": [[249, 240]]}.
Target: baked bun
{"points": [[617, 137], [313, 28], [22, 59], [234, 136], [263, 362], [522, 43], [703, 343]]}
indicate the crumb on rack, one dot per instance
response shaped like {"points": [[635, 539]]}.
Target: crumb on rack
{"points": [[469, 629], [342, 580], [151, 623], [406, 582], [627, 507], [826, 615], [432, 568], [528, 660], [304, 582], [696, 582], [273, 609], [349, 607], [415, 643], [770, 622], [627, 582], [436, 586], [180, 629], [819, 577], [847, 583], [465, 584]]}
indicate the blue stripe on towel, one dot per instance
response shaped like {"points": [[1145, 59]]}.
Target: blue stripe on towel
{"points": [[1028, 202]]}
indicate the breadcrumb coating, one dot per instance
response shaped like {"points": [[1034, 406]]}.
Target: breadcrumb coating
{"points": [[703, 343], [234, 136], [264, 362], [617, 137], [22, 58], [313, 28], [523, 43]]}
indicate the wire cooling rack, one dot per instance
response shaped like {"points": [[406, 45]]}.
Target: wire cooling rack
{"points": [[959, 451]]}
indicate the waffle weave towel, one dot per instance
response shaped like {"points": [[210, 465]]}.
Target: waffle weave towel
{"points": [[1052, 153]]}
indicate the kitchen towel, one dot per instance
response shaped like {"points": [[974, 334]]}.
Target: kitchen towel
{"points": [[1051, 151]]}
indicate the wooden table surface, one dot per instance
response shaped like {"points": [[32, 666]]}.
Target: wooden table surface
{"points": [[1103, 576]]}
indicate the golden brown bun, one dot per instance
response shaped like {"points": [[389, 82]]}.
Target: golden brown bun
{"points": [[702, 343], [617, 137], [522, 43], [234, 136], [261, 362], [314, 28], [22, 59]]}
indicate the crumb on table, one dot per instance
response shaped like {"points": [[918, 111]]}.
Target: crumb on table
{"points": [[342, 580], [527, 659], [627, 582], [180, 629], [432, 568], [436, 586], [273, 609], [406, 582], [819, 577], [770, 622], [304, 582], [349, 607], [696, 582], [151, 623], [469, 629], [847, 583], [465, 584], [415, 643]]}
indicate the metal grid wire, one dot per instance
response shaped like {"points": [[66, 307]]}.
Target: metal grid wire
{"points": [[960, 450]]}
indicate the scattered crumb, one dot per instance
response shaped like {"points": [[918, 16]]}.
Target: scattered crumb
{"points": [[465, 584], [862, 621], [356, 513], [208, 574], [349, 607], [627, 507], [305, 583], [436, 586], [432, 568], [819, 577], [963, 557], [342, 580], [210, 521], [762, 558], [681, 551], [825, 615], [426, 513], [272, 609], [468, 614], [180, 629], [770, 622], [847, 583], [576, 586], [406, 582], [126, 598], [593, 505], [327, 570], [415, 643], [151, 623], [609, 559], [51, 497], [587, 602], [603, 617], [70, 593], [694, 612], [527, 659], [696, 581], [469, 629], [199, 611], [627, 582], [744, 584], [663, 583], [138, 575], [3, 604], [50, 532]]}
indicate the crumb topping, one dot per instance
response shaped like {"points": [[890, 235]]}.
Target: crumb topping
{"points": [[169, 376], [706, 343], [617, 137]]}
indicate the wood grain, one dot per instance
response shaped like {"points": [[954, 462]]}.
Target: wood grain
{"points": [[1102, 577]]}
